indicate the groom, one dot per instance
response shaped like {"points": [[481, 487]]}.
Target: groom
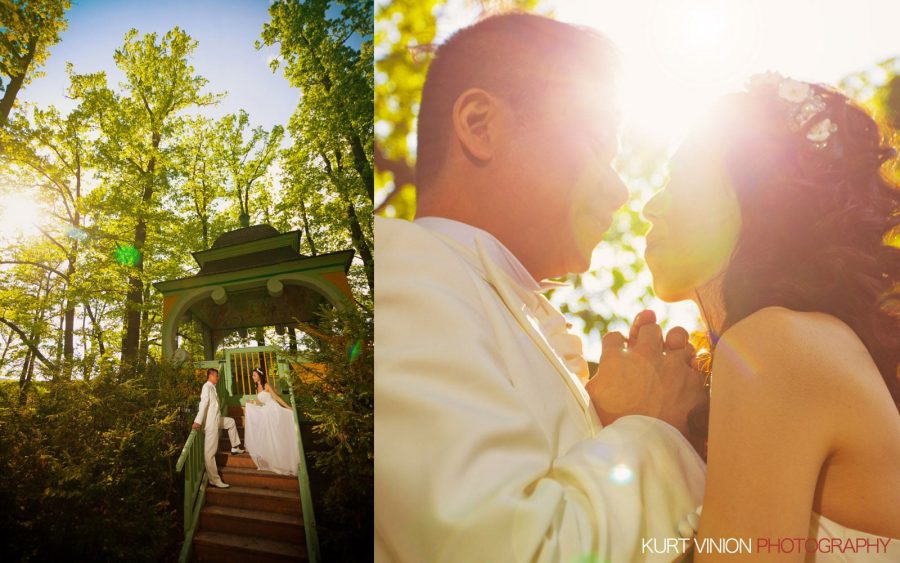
{"points": [[492, 444], [208, 415]]}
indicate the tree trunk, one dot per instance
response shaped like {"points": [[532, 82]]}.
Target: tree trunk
{"points": [[134, 301], [6, 346], [25, 377], [204, 224], [362, 166], [143, 348], [69, 324], [15, 82], [362, 246], [306, 229], [69, 331], [96, 329], [292, 340]]}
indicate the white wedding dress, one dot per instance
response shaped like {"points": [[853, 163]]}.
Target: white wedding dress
{"points": [[269, 436]]}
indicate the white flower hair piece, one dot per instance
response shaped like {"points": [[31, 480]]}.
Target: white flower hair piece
{"points": [[805, 103]]}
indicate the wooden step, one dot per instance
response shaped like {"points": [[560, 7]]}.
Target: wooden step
{"points": [[256, 523], [254, 498], [212, 546], [246, 477], [226, 459]]}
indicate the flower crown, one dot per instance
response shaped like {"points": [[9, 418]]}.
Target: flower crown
{"points": [[805, 105]]}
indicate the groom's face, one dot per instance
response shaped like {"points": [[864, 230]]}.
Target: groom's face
{"points": [[561, 162]]}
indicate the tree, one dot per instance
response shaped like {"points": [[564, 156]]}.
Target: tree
{"points": [[336, 79], [51, 155], [330, 59], [201, 173], [134, 149], [245, 161], [28, 28]]}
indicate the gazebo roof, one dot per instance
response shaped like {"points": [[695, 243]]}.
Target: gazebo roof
{"points": [[242, 265], [250, 246]]}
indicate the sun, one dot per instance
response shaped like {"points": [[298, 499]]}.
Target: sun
{"points": [[678, 57], [20, 216]]}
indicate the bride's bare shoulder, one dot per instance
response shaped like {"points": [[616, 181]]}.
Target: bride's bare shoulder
{"points": [[799, 350]]}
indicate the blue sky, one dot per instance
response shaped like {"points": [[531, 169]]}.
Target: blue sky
{"points": [[225, 30]]}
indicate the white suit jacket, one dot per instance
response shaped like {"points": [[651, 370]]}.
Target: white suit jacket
{"points": [[486, 447], [209, 407]]}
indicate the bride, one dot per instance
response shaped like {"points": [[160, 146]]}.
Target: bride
{"points": [[774, 222], [270, 436]]}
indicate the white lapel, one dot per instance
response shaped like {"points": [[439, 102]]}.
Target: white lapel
{"points": [[509, 293]]}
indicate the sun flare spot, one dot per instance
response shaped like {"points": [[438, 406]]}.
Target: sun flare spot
{"points": [[19, 216]]}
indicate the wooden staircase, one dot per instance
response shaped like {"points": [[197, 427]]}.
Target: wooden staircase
{"points": [[256, 519]]}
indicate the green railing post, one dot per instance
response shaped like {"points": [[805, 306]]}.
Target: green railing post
{"points": [[195, 481]]}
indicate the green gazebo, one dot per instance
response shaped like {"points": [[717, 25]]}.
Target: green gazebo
{"points": [[252, 277]]}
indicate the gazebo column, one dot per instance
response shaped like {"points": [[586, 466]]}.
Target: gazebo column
{"points": [[209, 342]]}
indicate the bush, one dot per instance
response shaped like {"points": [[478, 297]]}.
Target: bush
{"points": [[87, 469], [337, 395]]}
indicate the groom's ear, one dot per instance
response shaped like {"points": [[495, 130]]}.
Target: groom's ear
{"points": [[476, 114]]}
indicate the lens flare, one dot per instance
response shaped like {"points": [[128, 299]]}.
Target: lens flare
{"points": [[354, 351], [621, 474], [77, 234], [127, 255]]}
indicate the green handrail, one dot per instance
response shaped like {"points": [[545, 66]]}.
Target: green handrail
{"points": [[306, 504], [195, 481]]}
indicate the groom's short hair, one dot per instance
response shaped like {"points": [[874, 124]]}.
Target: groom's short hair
{"points": [[513, 55], [210, 371]]}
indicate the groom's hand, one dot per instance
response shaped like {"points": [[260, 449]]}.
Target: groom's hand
{"points": [[626, 380], [195, 426], [648, 377]]}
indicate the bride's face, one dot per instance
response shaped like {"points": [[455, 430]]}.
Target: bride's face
{"points": [[696, 219]]}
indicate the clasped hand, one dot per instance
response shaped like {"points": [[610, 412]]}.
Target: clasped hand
{"points": [[646, 375]]}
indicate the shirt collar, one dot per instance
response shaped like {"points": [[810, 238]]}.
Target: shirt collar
{"points": [[465, 234]]}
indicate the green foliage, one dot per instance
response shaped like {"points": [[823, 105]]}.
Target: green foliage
{"points": [[339, 400], [132, 181], [329, 167], [87, 468], [243, 161], [878, 89], [28, 28]]}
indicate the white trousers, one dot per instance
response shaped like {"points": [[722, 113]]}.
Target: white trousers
{"points": [[211, 439]]}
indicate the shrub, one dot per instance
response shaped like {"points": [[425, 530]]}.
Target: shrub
{"points": [[337, 395], [87, 469]]}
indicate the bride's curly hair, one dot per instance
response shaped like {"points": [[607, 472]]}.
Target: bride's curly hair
{"points": [[817, 221], [262, 376]]}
